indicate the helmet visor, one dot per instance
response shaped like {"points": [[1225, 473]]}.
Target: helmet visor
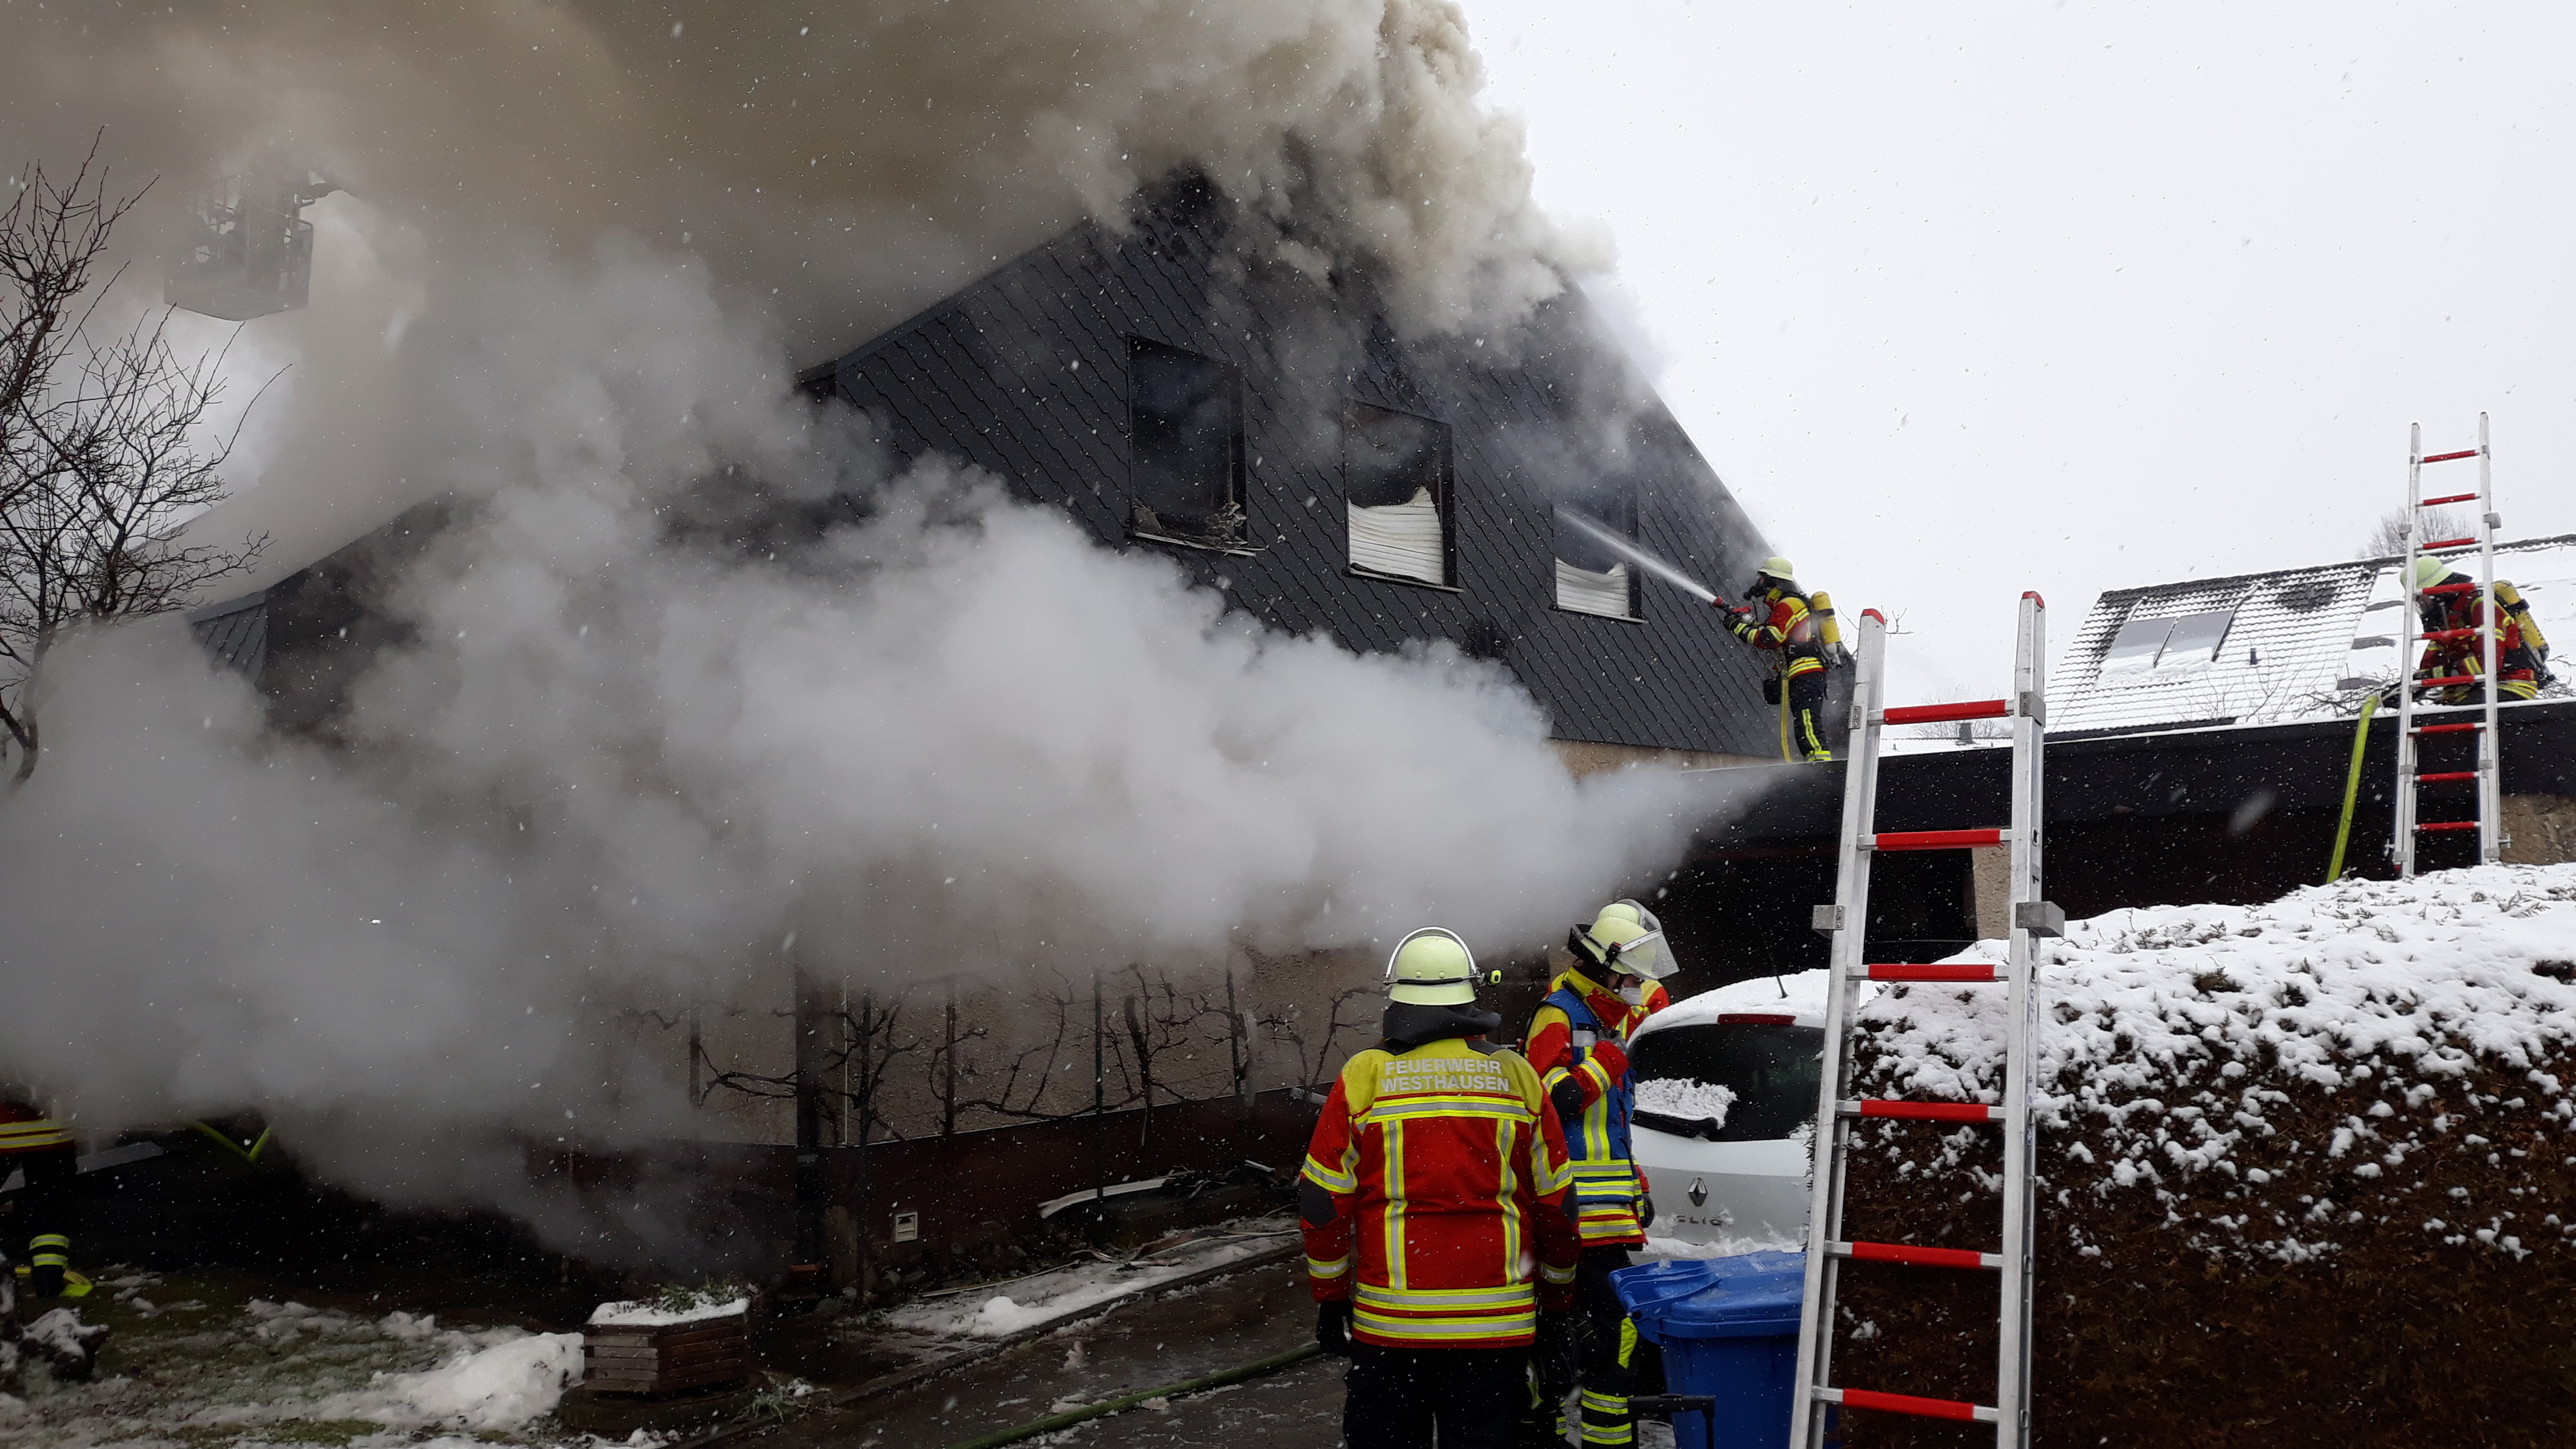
{"points": [[1645, 956]]}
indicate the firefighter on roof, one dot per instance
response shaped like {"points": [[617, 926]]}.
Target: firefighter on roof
{"points": [[1578, 1042], [2462, 616], [1799, 631], [1437, 1217], [32, 1143]]}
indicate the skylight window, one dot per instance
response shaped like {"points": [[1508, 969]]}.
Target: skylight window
{"points": [[2171, 645]]}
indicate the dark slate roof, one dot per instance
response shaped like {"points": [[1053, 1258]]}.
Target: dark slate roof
{"points": [[235, 632], [1023, 373]]}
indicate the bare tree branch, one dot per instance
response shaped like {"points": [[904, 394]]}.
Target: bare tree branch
{"points": [[104, 450]]}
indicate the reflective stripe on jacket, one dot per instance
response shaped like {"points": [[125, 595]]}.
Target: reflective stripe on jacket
{"points": [[1791, 629], [24, 1129], [1448, 1179]]}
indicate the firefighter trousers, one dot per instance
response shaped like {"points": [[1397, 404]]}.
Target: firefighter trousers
{"points": [[1806, 716], [1608, 1358], [1396, 1398], [42, 1222]]}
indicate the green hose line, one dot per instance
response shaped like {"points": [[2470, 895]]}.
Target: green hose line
{"points": [[1106, 1407], [2352, 787]]}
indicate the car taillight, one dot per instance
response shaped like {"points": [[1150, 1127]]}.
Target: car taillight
{"points": [[1755, 1018]]}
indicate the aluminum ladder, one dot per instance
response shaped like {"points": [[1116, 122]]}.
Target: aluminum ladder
{"points": [[2411, 776], [1837, 1112]]}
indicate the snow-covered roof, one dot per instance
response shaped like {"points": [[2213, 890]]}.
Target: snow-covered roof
{"points": [[2268, 648]]}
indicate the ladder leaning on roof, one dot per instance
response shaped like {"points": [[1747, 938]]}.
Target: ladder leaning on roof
{"points": [[1846, 921], [2485, 775]]}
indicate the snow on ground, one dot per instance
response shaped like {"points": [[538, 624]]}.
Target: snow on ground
{"points": [[2167, 1035], [1066, 1293], [184, 1372]]}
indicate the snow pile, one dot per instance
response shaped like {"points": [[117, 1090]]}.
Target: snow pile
{"points": [[2316, 1042], [662, 1312], [499, 1387], [1688, 1100]]}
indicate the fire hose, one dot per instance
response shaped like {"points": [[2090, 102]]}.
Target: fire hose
{"points": [[1124, 1402]]}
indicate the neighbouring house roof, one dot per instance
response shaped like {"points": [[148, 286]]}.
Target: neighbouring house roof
{"points": [[2268, 648]]}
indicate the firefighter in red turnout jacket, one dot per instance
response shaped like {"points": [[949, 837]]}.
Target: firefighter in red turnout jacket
{"points": [[1578, 1042], [1784, 622], [1437, 1219]]}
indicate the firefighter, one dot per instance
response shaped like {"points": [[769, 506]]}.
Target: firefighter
{"points": [[1578, 1042], [1786, 622], [2463, 614], [1438, 1223], [32, 1143]]}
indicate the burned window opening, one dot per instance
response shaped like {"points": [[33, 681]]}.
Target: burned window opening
{"points": [[1397, 485], [1592, 576], [1185, 448]]}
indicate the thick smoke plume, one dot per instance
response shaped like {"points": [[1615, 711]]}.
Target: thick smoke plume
{"points": [[625, 750]]}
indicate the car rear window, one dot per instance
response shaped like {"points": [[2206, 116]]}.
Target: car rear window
{"points": [[1774, 1072]]}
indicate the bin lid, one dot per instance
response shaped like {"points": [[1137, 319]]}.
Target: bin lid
{"points": [[1752, 1295]]}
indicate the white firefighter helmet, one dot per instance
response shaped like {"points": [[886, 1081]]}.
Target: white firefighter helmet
{"points": [[2430, 570], [1627, 938], [1432, 967]]}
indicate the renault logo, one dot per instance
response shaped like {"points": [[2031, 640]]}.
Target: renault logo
{"points": [[1698, 1192]]}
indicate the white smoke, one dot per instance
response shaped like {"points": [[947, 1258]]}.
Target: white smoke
{"points": [[624, 750]]}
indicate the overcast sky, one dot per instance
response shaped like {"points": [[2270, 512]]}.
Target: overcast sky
{"points": [[1966, 300]]}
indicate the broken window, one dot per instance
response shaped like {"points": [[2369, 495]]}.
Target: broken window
{"points": [[1592, 575], [1396, 481], [2168, 645], [1185, 447]]}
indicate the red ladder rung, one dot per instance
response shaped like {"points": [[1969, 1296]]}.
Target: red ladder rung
{"points": [[1909, 972], [1921, 1408], [1934, 839], [2449, 825], [2450, 729], [1913, 1256], [2442, 775], [1923, 1111], [2442, 634], [2449, 589], [2454, 498], [1946, 713], [2453, 457], [2446, 681], [2449, 543]]}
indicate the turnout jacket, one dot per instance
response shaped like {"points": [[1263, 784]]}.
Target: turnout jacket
{"points": [[1447, 1222], [2516, 676], [1593, 1094], [24, 1129], [1784, 621]]}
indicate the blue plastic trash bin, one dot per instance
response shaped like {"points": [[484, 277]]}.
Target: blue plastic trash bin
{"points": [[1729, 1329]]}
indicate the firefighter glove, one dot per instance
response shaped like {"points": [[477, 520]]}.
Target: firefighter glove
{"points": [[1333, 1328], [1567, 1097], [1771, 690], [1646, 1210]]}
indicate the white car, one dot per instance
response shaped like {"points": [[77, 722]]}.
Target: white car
{"points": [[1726, 1109]]}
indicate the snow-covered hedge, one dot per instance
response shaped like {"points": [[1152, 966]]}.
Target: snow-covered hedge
{"points": [[2171, 1038], [2307, 1174]]}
